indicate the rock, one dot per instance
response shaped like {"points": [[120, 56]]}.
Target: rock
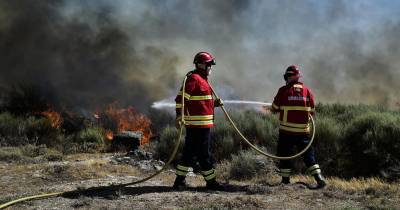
{"points": [[130, 140]]}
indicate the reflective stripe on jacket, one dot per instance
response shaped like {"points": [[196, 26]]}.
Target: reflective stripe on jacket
{"points": [[199, 102], [294, 102]]}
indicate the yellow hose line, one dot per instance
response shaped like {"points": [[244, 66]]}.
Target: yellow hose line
{"points": [[171, 158], [30, 198], [258, 149]]}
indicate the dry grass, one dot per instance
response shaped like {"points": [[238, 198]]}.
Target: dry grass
{"points": [[19, 177], [354, 184], [84, 170], [29, 154], [89, 169], [363, 184]]}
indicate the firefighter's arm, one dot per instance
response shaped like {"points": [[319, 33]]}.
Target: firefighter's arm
{"points": [[189, 88], [276, 103], [311, 103], [274, 108]]}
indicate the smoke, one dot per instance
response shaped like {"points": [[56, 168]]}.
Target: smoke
{"points": [[91, 53], [80, 54]]}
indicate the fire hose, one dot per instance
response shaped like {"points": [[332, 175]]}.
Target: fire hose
{"points": [[171, 158]]}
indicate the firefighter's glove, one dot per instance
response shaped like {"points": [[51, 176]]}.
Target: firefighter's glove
{"points": [[178, 122], [218, 102]]}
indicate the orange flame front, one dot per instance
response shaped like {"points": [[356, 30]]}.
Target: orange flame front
{"points": [[54, 117], [128, 119], [109, 135]]}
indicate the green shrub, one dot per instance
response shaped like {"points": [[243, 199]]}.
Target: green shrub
{"points": [[15, 131], [42, 131], [53, 155], [90, 139], [268, 131], [260, 129], [166, 144], [371, 144], [29, 154], [223, 143], [328, 136], [345, 113], [32, 151], [91, 135], [257, 127], [12, 154], [9, 125], [224, 148], [247, 165], [68, 146]]}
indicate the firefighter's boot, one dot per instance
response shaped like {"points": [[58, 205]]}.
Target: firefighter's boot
{"points": [[180, 183], [285, 180], [321, 183], [212, 184]]}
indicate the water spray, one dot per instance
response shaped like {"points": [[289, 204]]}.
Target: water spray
{"points": [[165, 104]]}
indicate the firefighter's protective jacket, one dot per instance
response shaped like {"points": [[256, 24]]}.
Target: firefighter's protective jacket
{"points": [[199, 102], [294, 102]]}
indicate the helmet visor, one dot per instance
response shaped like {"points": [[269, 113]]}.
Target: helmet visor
{"points": [[211, 63]]}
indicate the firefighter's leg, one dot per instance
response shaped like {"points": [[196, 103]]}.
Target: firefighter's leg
{"points": [[206, 160], [186, 159], [313, 168], [285, 148]]}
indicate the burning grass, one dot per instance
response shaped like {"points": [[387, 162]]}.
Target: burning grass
{"points": [[69, 132], [54, 117], [125, 119]]}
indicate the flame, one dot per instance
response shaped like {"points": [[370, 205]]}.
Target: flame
{"points": [[122, 119], [109, 135], [54, 117], [128, 119]]}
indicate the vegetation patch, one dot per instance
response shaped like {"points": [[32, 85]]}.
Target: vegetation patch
{"points": [[29, 154]]}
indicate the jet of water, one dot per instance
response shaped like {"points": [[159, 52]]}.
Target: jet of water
{"points": [[164, 104]]}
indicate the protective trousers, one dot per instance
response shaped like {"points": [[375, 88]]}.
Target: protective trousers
{"points": [[197, 144], [286, 144]]}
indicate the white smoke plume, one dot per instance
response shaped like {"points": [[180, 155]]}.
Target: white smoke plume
{"points": [[88, 53]]}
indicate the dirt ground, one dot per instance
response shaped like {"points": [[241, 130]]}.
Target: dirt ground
{"points": [[85, 171]]}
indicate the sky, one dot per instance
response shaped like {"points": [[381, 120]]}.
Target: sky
{"points": [[89, 53]]}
